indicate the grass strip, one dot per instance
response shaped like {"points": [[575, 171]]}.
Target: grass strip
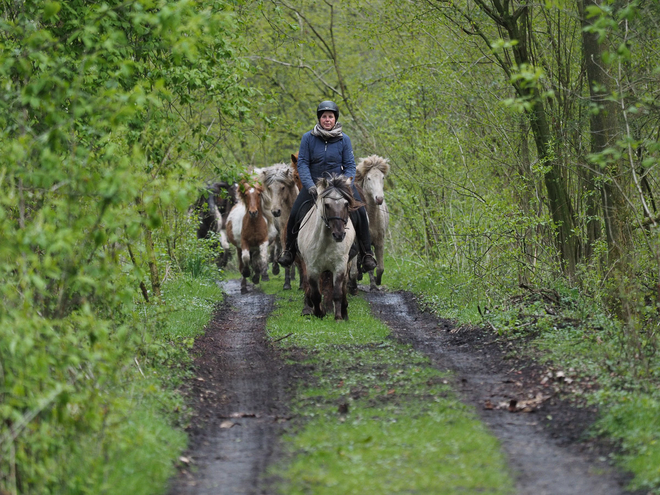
{"points": [[375, 416]]}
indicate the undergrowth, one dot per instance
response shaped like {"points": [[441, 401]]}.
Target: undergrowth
{"points": [[610, 361], [111, 420], [375, 417]]}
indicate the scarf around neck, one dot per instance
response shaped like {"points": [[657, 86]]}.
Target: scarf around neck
{"points": [[335, 132]]}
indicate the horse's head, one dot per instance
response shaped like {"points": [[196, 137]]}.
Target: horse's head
{"points": [[370, 174], [279, 181], [251, 196], [335, 201]]}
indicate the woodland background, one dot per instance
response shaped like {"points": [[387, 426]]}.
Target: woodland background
{"points": [[524, 143]]}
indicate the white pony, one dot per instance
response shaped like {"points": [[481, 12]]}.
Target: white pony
{"points": [[370, 176], [279, 181], [324, 242]]}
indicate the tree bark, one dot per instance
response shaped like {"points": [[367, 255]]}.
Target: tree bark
{"points": [[605, 130]]}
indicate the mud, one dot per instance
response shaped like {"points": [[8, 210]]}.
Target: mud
{"points": [[239, 393], [547, 448]]}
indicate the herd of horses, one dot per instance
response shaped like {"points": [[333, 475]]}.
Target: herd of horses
{"points": [[252, 217]]}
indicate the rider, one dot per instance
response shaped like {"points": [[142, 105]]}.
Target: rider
{"points": [[325, 150]]}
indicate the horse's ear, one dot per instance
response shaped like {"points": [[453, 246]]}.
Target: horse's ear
{"points": [[321, 184], [294, 158], [349, 181]]}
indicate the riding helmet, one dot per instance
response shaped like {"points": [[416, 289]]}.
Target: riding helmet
{"points": [[327, 106]]}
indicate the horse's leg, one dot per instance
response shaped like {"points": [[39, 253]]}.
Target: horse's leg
{"points": [[339, 294], [245, 261], [287, 277], [300, 272], [344, 300], [263, 258], [380, 260], [244, 289], [315, 297], [326, 291], [277, 250], [352, 277]]}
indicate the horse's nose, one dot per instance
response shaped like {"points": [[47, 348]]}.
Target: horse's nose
{"points": [[379, 200], [276, 213], [339, 236], [253, 214]]}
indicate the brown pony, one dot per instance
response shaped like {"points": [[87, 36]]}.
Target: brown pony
{"points": [[248, 228], [294, 166]]}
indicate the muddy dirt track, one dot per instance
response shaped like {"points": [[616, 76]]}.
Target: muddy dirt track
{"points": [[241, 386]]}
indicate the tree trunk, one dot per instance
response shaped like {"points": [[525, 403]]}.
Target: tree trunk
{"points": [[517, 26], [604, 133]]}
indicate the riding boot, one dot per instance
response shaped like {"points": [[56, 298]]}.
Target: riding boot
{"points": [[288, 256]]}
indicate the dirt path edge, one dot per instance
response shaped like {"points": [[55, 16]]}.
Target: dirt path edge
{"points": [[547, 449]]}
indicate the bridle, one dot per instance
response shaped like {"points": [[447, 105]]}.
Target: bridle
{"points": [[326, 220]]}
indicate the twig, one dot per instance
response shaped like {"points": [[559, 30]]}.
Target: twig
{"points": [[138, 367], [282, 338]]}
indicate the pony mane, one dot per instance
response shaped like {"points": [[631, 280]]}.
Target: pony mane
{"points": [[337, 183], [280, 172], [370, 162]]}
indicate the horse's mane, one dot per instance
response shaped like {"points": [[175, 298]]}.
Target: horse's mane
{"points": [[370, 162], [280, 172], [337, 183]]}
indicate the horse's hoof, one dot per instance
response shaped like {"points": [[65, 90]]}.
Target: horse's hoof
{"points": [[255, 279], [360, 275], [276, 269], [287, 287], [265, 277], [373, 288], [307, 312], [244, 290]]}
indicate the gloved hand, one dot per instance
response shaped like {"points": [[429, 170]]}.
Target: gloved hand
{"points": [[313, 192]]}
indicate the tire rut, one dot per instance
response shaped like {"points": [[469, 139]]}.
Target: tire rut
{"points": [[540, 464], [240, 399]]}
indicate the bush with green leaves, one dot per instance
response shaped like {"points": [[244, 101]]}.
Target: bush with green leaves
{"points": [[108, 114]]}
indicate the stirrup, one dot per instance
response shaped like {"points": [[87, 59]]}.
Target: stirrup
{"points": [[286, 258], [368, 263]]}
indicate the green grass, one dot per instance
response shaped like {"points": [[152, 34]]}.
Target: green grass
{"points": [[141, 436], [404, 432]]}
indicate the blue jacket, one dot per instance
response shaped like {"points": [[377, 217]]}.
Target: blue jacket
{"points": [[317, 158]]}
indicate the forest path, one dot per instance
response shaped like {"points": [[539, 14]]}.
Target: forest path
{"points": [[241, 395], [240, 400]]}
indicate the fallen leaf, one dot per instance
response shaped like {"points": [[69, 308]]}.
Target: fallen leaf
{"points": [[488, 405], [391, 391], [242, 415], [343, 408], [227, 424], [185, 460]]}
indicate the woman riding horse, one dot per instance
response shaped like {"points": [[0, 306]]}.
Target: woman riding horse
{"points": [[323, 151]]}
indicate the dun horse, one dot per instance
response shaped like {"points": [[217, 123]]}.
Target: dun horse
{"points": [[279, 181], [325, 239], [248, 227], [370, 176]]}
